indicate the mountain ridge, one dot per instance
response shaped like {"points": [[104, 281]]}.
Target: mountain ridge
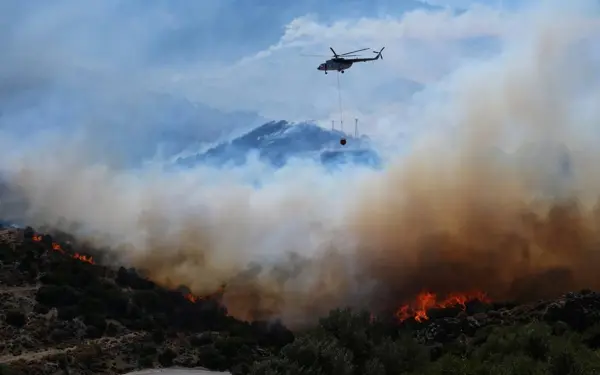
{"points": [[278, 142]]}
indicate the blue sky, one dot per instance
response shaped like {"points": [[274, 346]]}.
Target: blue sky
{"points": [[105, 55]]}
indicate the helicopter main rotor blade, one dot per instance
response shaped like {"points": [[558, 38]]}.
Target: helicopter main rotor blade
{"points": [[358, 50], [334, 54]]}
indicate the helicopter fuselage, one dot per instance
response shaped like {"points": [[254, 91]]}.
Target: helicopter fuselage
{"points": [[335, 64]]}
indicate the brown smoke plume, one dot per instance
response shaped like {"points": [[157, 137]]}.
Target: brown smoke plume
{"points": [[520, 225], [504, 202]]}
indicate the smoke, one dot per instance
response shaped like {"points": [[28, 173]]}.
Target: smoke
{"points": [[498, 193]]}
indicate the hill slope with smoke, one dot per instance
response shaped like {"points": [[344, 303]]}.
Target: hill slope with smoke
{"points": [[279, 142], [480, 202]]}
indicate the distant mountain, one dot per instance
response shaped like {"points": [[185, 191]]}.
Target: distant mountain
{"points": [[278, 142], [130, 127]]}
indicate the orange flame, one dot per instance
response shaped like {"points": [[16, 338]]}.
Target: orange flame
{"points": [[427, 300], [84, 258], [88, 259], [56, 247], [192, 298]]}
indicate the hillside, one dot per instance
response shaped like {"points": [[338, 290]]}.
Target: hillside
{"points": [[63, 312], [278, 142]]}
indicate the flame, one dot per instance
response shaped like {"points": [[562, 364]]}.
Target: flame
{"points": [[428, 300], [56, 247], [194, 298], [84, 258], [88, 259]]}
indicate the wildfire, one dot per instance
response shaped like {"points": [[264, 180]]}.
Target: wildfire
{"points": [[84, 258], [56, 247], [88, 259], [192, 298], [427, 300]]}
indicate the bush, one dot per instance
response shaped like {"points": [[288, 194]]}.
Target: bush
{"points": [[57, 296], [91, 306], [403, 355], [531, 340], [158, 336], [148, 300], [319, 355], [95, 320], [210, 357], [92, 332], [28, 233], [67, 312], [146, 362], [40, 309], [166, 357], [60, 335], [15, 318]]}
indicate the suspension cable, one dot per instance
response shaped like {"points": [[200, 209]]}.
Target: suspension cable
{"points": [[340, 101]]}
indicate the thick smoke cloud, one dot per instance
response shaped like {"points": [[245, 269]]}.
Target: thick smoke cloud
{"points": [[499, 194]]}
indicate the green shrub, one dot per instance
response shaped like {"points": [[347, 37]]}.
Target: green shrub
{"points": [[531, 340], [320, 355], [400, 356], [352, 329]]}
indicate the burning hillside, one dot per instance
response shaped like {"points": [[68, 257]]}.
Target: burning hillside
{"points": [[417, 309], [426, 301], [88, 319]]}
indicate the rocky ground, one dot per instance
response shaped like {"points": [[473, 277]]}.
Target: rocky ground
{"points": [[62, 313]]}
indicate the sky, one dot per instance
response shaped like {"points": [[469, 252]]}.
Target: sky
{"points": [[232, 55]]}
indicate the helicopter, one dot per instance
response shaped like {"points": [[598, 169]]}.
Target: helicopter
{"points": [[341, 62]]}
